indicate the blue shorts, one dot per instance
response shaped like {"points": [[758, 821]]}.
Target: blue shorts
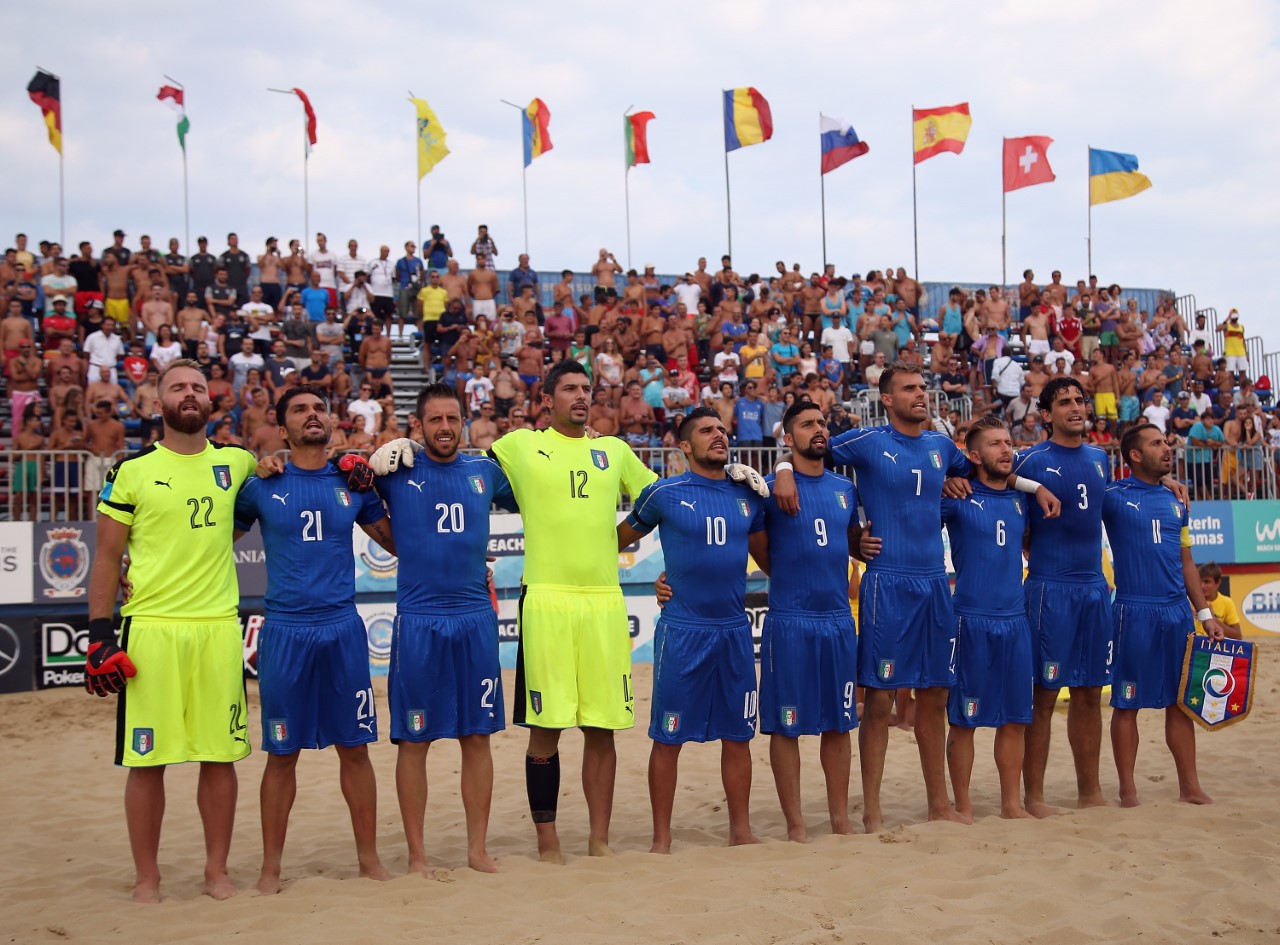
{"points": [[445, 680], [808, 673], [1151, 642], [906, 632], [1072, 631], [704, 682], [993, 671], [313, 681]]}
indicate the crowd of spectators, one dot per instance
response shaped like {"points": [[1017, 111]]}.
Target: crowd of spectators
{"points": [[85, 335]]}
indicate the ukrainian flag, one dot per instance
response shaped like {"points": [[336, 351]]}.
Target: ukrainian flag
{"points": [[537, 137], [747, 119], [1114, 176]]}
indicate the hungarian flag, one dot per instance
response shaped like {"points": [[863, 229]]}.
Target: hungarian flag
{"points": [[174, 98], [1026, 162], [635, 127], [46, 91], [311, 119], [940, 129], [1217, 681]]}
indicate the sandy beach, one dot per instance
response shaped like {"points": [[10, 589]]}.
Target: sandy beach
{"points": [[1161, 873]]}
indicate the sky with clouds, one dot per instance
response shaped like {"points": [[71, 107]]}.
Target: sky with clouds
{"points": [[1188, 87]]}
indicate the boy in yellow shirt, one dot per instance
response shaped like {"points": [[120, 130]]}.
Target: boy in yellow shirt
{"points": [[1223, 607]]}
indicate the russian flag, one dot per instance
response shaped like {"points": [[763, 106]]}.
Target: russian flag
{"points": [[840, 143]]}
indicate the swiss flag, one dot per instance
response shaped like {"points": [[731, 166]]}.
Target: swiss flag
{"points": [[1026, 162]]}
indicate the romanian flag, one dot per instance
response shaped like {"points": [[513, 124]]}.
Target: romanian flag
{"points": [[431, 137], [311, 119], [635, 127], [1114, 176], [839, 142], [747, 119], [537, 134], [46, 91], [940, 129]]}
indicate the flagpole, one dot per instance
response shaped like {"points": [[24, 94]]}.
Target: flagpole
{"points": [[306, 158], [419, 184], [626, 181], [524, 180], [728, 201], [62, 203], [915, 221], [186, 209], [1089, 239], [1004, 251]]}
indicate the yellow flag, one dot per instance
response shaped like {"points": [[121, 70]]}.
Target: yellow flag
{"points": [[431, 148]]}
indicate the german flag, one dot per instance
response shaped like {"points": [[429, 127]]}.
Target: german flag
{"points": [[46, 91]]}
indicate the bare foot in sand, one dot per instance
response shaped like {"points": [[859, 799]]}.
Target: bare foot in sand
{"points": [[268, 884], [551, 856], [663, 848], [375, 871], [949, 813], [1040, 810], [1016, 812], [738, 840], [1195, 796], [843, 828], [218, 886], [1129, 800], [598, 848], [146, 893], [798, 834], [1092, 800], [422, 869], [482, 862], [872, 824]]}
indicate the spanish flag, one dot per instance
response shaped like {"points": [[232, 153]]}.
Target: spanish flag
{"points": [[46, 91], [940, 129], [747, 119], [431, 138], [1114, 176], [537, 136]]}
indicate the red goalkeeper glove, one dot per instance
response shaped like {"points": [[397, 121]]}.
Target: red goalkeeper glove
{"points": [[359, 475], [106, 667]]}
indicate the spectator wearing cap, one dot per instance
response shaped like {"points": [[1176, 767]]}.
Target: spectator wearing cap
{"points": [[203, 267], [1183, 416], [117, 249], [58, 321]]}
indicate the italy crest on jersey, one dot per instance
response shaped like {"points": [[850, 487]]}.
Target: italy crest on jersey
{"points": [[789, 716], [744, 507], [144, 740], [671, 722], [1052, 671], [886, 670], [1217, 681], [936, 458], [600, 459], [842, 500], [343, 497], [279, 730], [222, 477], [477, 484], [970, 708], [1098, 466], [416, 719]]}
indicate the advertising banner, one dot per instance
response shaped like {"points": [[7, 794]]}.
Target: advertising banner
{"points": [[1257, 598], [62, 555], [16, 655], [16, 571], [1257, 531]]}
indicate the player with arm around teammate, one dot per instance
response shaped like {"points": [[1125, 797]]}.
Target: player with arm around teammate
{"points": [[809, 647], [704, 680], [179, 662], [445, 676], [1155, 575], [313, 661]]}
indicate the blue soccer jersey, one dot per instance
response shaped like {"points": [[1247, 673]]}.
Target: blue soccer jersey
{"points": [[306, 516], [809, 551], [986, 548], [440, 520], [1147, 528], [705, 524], [1069, 547], [900, 481]]}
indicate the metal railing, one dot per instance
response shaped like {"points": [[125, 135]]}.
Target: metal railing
{"points": [[52, 485]]}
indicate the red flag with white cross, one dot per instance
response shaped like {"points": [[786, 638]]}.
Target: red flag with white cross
{"points": [[1026, 162]]}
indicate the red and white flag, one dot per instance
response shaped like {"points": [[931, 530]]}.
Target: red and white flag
{"points": [[311, 119], [1026, 162]]}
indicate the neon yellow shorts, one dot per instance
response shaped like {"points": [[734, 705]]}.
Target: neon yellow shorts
{"points": [[573, 667], [117, 309], [187, 702], [1104, 405]]}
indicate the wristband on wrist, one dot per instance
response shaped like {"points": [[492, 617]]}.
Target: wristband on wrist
{"points": [[1029, 486], [781, 466], [102, 630], [1205, 614]]}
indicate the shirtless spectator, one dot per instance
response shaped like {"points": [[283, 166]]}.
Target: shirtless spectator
{"points": [[374, 356], [605, 270], [157, 310], [1129, 332], [1028, 296], [14, 330], [529, 366], [115, 291], [483, 430], [1037, 377], [603, 416], [996, 312], [1055, 293], [482, 286], [25, 369], [66, 378], [266, 439], [191, 324], [256, 415], [1103, 385], [811, 297], [103, 437], [636, 417], [270, 268], [456, 284], [508, 389], [26, 475], [1034, 330], [909, 291], [633, 291]]}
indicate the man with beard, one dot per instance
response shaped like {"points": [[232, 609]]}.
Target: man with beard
{"points": [[185, 700], [313, 662], [1155, 576], [445, 678], [907, 625], [704, 679]]}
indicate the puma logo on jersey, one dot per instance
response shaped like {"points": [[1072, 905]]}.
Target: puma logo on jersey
{"points": [[978, 503], [541, 453], [1134, 505], [1056, 472], [165, 483], [892, 456], [416, 485], [689, 505], [281, 498], [367, 726]]}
